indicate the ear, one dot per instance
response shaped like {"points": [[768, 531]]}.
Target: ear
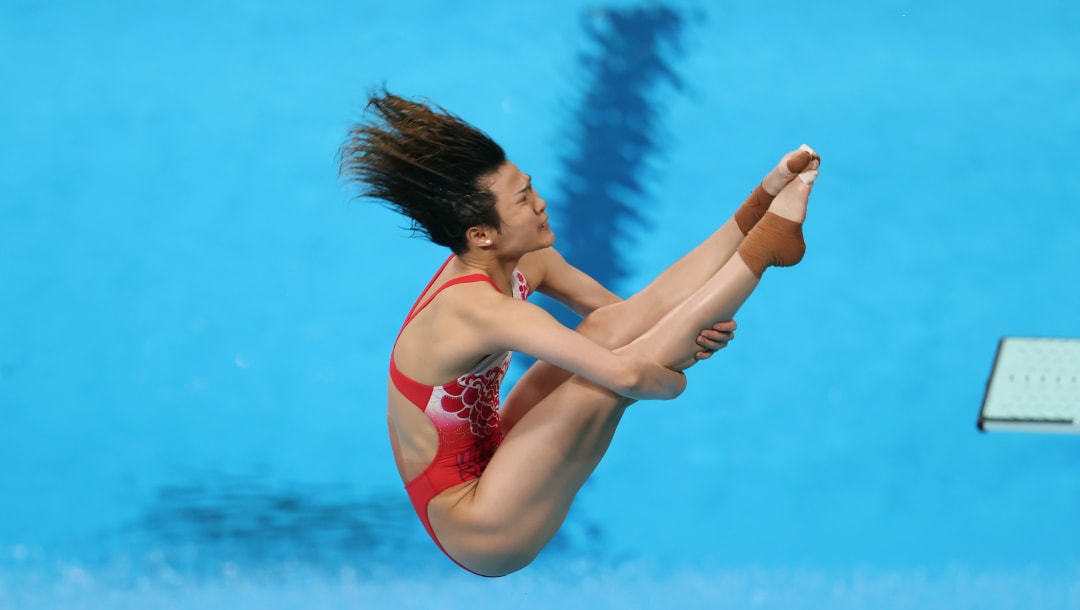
{"points": [[481, 236]]}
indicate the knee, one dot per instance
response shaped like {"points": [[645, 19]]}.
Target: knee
{"points": [[602, 326]]}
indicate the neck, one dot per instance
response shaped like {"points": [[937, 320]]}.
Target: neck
{"points": [[488, 263]]}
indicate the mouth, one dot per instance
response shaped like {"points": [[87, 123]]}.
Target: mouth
{"points": [[544, 226]]}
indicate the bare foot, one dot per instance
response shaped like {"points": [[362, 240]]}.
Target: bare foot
{"points": [[791, 202]]}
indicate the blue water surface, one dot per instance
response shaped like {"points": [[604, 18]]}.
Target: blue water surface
{"points": [[195, 315]]}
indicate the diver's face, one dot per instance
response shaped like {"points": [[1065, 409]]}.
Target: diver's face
{"points": [[522, 212]]}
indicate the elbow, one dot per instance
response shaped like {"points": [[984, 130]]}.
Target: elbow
{"points": [[631, 382], [602, 326]]}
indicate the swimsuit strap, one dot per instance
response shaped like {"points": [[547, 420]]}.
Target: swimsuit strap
{"points": [[430, 284], [416, 392], [465, 279], [417, 307]]}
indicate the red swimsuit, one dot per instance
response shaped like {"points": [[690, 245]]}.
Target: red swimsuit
{"points": [[465, 411]]}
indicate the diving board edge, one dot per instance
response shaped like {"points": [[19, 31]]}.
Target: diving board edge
{"points": [[1060, 422], [1065, 426]]}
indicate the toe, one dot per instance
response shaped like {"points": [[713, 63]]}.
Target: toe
{"points": [[799, 160], [808, 177]]}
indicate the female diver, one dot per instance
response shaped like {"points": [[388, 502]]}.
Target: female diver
{"points": [[492, 485]]}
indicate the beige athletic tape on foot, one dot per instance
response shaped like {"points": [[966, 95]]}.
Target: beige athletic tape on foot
{"points": [[757, 203], [774, 242]]}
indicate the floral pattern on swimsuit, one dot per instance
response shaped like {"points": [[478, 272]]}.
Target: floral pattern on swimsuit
{"points": [[466, 414]]}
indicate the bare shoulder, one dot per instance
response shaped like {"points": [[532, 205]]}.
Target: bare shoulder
{"points": [[555, 277], [456, 328], [538, 265], [497, 322], [471, 302], [488, 310]]}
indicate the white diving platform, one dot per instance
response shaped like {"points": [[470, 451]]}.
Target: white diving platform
{"points": [[1034, 386]]}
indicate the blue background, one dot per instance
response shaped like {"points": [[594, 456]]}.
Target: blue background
{"points": [[195, 315]]}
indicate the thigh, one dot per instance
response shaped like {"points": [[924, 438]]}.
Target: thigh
{"points": [[536, 384], [523, 496]]}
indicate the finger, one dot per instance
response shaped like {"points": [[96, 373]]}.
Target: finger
{"points": [[710, 344], [703, 355], [712, 341], [725, 326], [716, 335]]}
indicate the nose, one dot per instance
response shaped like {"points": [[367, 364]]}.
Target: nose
{"points": [[540, 204]]}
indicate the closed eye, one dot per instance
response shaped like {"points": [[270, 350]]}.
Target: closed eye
{"points": [[525, 189]]}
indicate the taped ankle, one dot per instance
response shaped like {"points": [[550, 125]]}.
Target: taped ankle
{"points": [[774, 242], [751, 211]]}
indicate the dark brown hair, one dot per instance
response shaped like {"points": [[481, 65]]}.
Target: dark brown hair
{"points": [[426, 164]]}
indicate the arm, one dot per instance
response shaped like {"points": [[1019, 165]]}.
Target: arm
{"points": [[508, 324], [553, 276], [550, 275]]}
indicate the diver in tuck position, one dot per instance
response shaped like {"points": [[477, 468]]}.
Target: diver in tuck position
{"points": [[492, 485]]}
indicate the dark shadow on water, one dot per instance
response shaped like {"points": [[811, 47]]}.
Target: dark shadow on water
{"points": [[211, 524], [615, 131], [198, 524]]}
